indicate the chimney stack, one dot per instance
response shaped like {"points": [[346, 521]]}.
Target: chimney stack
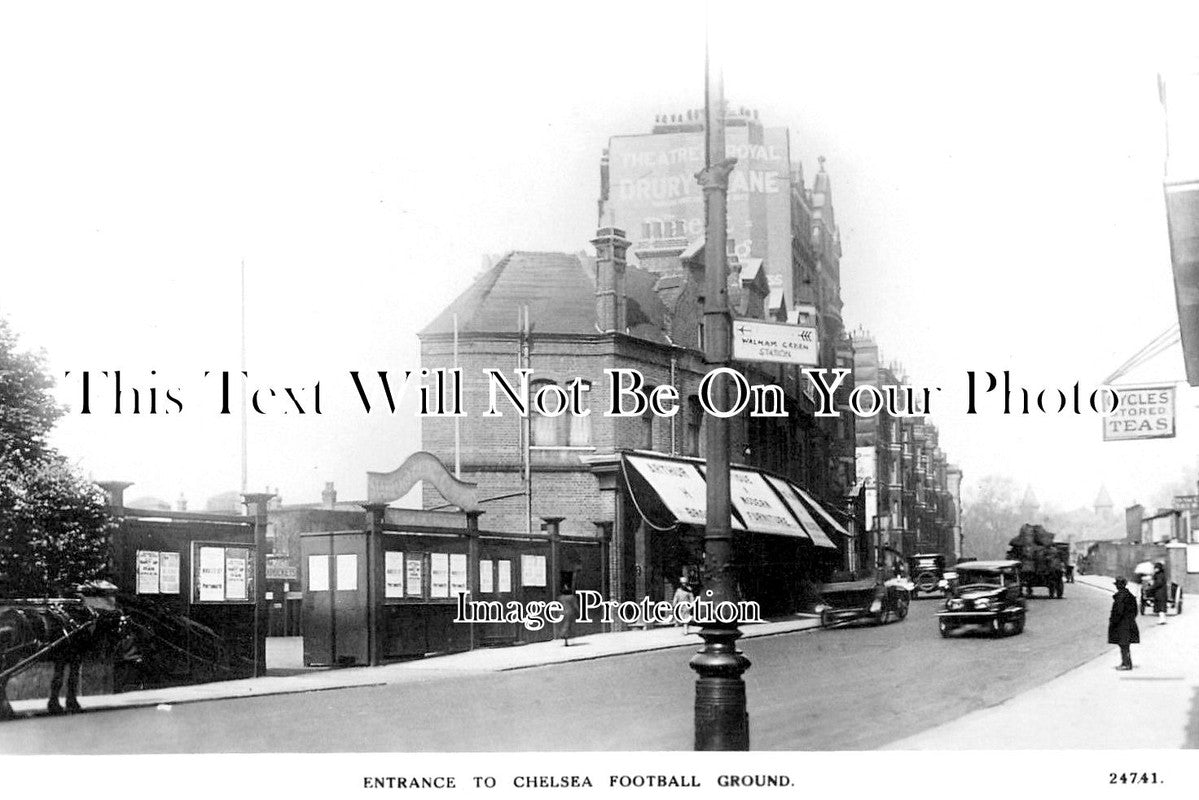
{"points": [[1132, 523], [329, 496], [610, 302]]}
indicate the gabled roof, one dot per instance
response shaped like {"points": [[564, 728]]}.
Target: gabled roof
{"points": [[559, 290], [751, 269], [776, 304]]}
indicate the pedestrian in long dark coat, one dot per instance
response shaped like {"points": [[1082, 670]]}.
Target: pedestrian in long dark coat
{"points": [[1158, 592], [570, 612], [1122, 625]]}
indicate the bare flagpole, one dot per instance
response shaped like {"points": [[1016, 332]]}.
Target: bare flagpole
{"points": [[457, 419], [526, 347], [245, 458]]}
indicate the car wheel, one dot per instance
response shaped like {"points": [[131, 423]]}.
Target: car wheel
{"points": [[826, 619], [944, 627], [996, 626], [1178, 603], [901, 607], [1018, 625]]}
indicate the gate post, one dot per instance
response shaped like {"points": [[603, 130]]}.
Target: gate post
{"points": [[555, 579], [375, 580], [472, 564], [256, 507]]}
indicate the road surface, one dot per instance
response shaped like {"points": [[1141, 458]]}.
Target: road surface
{"points": [[843, 689]]}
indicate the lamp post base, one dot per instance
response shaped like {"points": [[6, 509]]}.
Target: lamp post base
{"points": [[721, 719]]}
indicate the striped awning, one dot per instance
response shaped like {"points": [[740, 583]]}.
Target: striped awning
{"points": [[663, 487]]}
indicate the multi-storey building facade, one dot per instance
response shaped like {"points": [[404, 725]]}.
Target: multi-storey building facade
{"points": [[776, 224], [912, 494], [587, 317]]}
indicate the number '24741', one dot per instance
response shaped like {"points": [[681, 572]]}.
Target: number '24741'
{"points": [[1132, 777]]}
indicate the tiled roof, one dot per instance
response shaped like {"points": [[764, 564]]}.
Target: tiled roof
{"points": [[558, 288]]}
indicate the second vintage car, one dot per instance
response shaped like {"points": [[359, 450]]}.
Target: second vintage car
{"points": [[848, 601], [987, 594], [928, 573]]}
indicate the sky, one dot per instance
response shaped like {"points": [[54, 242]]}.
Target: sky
{"points": [[996, 175]]}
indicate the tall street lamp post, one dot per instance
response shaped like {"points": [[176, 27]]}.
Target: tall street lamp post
{"points": [[721, 720]]}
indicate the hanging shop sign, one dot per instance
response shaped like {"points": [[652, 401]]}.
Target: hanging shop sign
{"points": [[1143, 412]]}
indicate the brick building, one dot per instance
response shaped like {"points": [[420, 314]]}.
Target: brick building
{"points": [[587, 315], [912, 494], [777, 225]]}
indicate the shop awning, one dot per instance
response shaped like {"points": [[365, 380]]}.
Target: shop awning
{"points": [[823, 514], [792, 494], [677, 485], [760, 508], [761, 503]]}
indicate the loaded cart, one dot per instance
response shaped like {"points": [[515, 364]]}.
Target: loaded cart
{"points": [[1174, 592], [1041, 563]]}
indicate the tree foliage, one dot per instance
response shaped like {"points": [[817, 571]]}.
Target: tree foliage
{"points": [[991, 517], [54, 525]]}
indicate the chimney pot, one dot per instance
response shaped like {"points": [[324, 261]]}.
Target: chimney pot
{"points": [[610, 300]]}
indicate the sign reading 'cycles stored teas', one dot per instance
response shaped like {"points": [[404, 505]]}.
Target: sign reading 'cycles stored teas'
{"points": [[1142, 412]]}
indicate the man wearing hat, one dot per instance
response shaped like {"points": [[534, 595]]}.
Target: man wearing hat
{"points": [[1122, 625], [1157, 591]]}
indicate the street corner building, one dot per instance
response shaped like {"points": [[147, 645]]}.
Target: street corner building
{"points": [[634, 484]]}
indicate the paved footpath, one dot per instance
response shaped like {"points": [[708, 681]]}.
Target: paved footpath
{"points": [[496, 659], [1095, 706]]}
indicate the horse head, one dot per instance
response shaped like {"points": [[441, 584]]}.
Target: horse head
{"points": [[110, 623]]}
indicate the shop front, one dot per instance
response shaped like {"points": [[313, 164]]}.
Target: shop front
{"points": [[783, 537]]}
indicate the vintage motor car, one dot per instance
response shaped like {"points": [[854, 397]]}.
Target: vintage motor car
{"points": [[988, 594], [928, 573], [850, 601]]}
